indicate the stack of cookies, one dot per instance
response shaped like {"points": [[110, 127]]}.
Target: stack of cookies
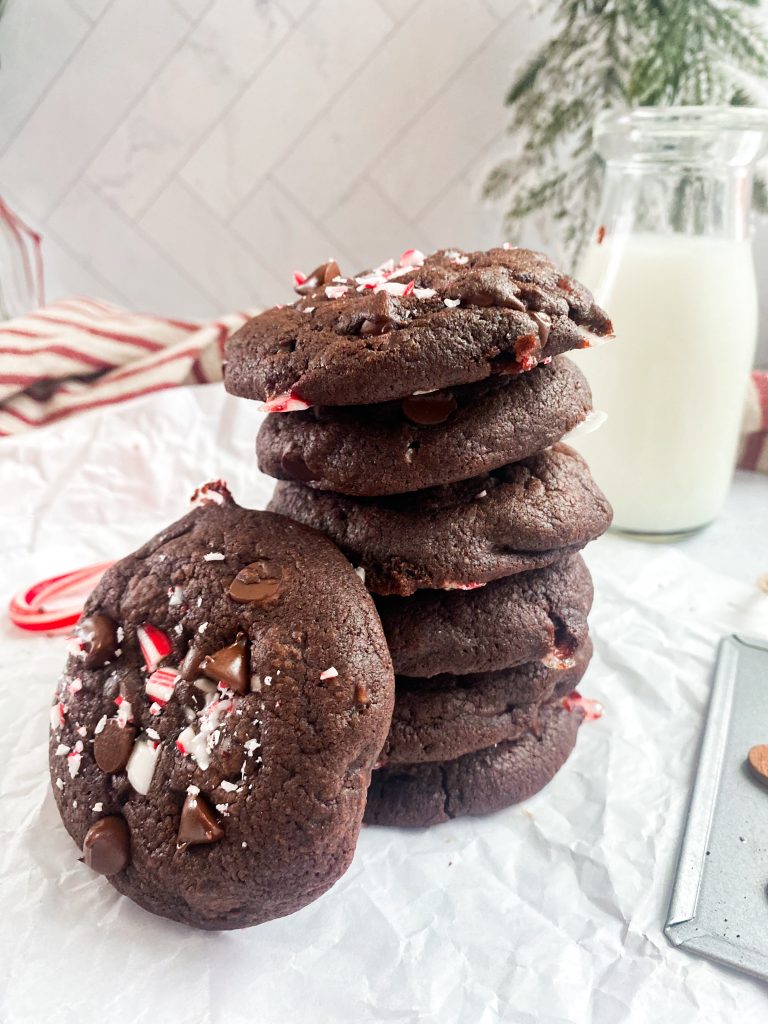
{"points": [[425, 404]]}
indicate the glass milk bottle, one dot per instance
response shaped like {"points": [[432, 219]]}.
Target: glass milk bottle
{"points": [[671, 262]]}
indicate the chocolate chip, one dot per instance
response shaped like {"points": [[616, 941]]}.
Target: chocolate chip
{"points": [[190, 666], [296, 468], [535, 724], [260, 582], [362, 697], [198, 823], [380, 318], [505, 362], [758, 762], [97, 634], [113, 745], [543, 323], [322, 275], [488, 286], [229, 665], [429, 410], [107, 845]]}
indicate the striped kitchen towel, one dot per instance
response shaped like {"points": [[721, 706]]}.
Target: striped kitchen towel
{"points": [[80, 354], [754, 444]]}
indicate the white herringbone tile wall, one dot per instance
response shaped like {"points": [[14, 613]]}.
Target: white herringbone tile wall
{"points": [[184, 156]]}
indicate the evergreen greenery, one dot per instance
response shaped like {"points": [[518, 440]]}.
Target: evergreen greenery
{"points": [[615, 54]]}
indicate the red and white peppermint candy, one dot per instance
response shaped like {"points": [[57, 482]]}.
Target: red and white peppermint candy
{"points": [[411, 258], [141, 764], [336, 291], [124, 713], [286, 402], [57, 716], [74, 759], [452, 585], [299, 279], [161, 684], [394, 288], [591, 340], [329, 673], [154, 645], [42, 608], [592, 709], [215, 492]]}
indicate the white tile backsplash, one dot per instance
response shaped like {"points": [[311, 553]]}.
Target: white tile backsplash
{"points": [[180, 222], [392, 87], [286, 237], [284, 102], [118, 58], [122, 254], [186, 155], [185, 99], [372, 226], [463, 118], [23, 47]]}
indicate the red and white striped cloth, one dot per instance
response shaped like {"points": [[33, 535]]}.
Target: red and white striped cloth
{"points": [[754, 443], [80, 354]]}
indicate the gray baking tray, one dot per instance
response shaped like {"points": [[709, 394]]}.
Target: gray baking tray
{"points": [[719, 906]]}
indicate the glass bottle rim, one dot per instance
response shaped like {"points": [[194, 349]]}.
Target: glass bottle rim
{"points": [[680, 120], [694, 136]]}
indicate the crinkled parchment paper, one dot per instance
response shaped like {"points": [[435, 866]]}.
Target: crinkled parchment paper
{"points": [[548, 912]]}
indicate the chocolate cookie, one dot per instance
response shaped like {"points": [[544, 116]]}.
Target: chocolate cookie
{"points": [[426, 440], [449, 319], [445, 717], [533, 615], [463, 535], [478, 783], [213, 734]]}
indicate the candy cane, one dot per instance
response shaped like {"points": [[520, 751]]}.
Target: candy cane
{"points": [[30, 608]]}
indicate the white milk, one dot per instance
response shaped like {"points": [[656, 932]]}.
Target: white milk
{"points": [[673, 382]]}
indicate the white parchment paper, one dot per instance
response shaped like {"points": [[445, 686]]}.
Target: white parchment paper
{"points": [[548, 912]]}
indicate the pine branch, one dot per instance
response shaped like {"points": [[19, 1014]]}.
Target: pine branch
{"points": [[615, 54]]}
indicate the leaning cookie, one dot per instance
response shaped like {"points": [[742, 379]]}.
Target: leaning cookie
{"points": [[427, 323], [445, 717], [463, 535], [426, 440], [478, 783], [212, 737], [527, 617]]}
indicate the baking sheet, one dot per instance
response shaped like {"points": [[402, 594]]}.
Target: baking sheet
{"points": [[719, 900], [549, 912]]}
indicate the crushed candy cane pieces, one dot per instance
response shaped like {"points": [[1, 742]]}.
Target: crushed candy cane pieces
{"points": [[286, 402], [124, 713], [329, 673], [141, 764], [592, 709], [154, 645], [161, 684], [57, 716], [411, 258]]}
